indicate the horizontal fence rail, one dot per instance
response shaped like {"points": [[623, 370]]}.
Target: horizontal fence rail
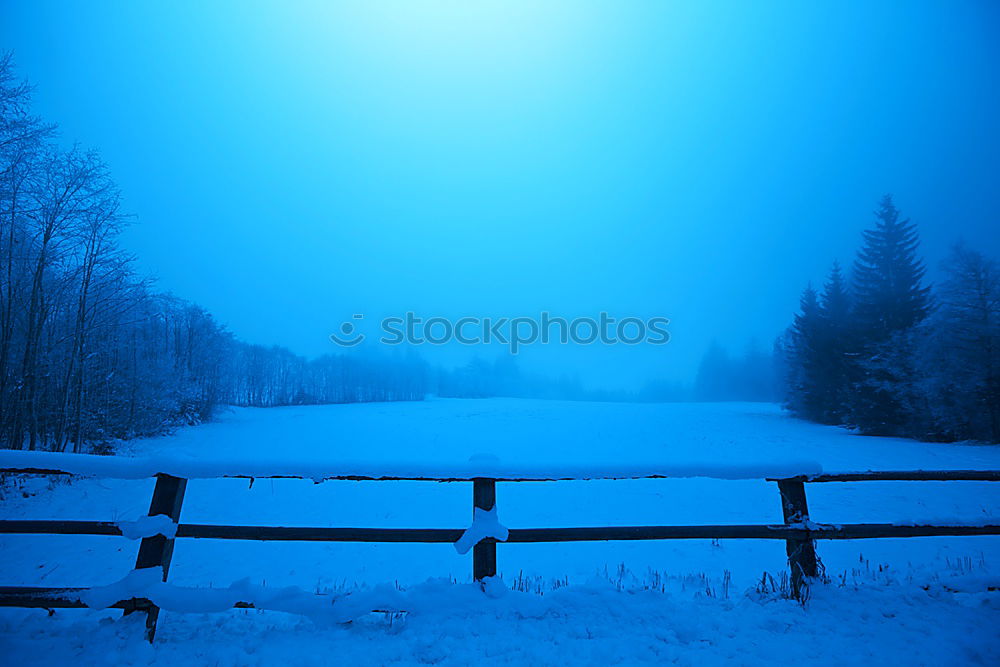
{"points": [[116, 467], [38, 597], [852, 531], [900, 476], [798, 531]]}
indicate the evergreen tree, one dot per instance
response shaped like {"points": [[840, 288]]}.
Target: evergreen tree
{"points": [[711, 382], [890, 301], [833, 361], [836, 298], [959, 356], [888, 277], [805, 397]]}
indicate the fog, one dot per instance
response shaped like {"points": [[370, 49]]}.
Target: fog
{"points": [[289, 167]]}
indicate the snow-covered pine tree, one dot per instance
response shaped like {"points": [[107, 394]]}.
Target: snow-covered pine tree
{"points": [[888, 277], [890, 299], [959, 357]]}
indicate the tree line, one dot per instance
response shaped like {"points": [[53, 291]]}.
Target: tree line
{"points": [[750, 376], [884, 353], [89, 352]]}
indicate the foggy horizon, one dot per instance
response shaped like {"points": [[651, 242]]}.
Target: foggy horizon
{"points": [[499, 333], [291, 167]]}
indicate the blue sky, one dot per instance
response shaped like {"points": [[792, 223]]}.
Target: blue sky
{"points": [[290, 164]]}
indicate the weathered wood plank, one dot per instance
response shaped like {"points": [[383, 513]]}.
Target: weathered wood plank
{"points": [[903, 476], [850, 531], [57, 527], [58, 598], [319, 534], [885, 475], [484, 554], [157, 551], [801, 552], [367, 478], [856, 531], [68, 598]]}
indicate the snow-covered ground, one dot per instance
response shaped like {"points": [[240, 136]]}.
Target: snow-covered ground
{"points": [[685, 601]]}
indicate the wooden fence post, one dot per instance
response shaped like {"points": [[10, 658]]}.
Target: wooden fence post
{"points": [[156, 551], [484, 554], [801, 553]]}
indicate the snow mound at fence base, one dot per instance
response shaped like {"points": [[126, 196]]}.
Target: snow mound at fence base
{"points": [[454, 624]]}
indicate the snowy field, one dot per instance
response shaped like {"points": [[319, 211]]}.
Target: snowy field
{"points": [[926, 600]]}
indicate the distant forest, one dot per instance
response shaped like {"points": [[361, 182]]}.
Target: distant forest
{"points": [[886, 354], [90, 353]]}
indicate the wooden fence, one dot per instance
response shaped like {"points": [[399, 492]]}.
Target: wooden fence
{"points": [[797, 531]]}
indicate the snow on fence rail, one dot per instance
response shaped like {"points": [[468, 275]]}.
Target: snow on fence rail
{"points": [[162, 527], [121, 467]]}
